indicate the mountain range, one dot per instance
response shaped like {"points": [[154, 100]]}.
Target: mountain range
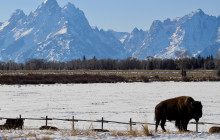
{"points": [[62, 34], [195, 33]]}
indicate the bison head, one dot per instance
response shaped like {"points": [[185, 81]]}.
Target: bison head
{"points": [[196, 107]]}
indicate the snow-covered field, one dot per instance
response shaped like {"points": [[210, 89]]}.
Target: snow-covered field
{"points": [[114, 102]]}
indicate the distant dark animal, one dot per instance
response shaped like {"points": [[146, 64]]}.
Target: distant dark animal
{"points": [[48, 128], [100, 130], [180, 109], [13, 124], [214, 129]]}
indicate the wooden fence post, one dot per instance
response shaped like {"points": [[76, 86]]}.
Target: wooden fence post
{"points": [[73, 127], [46, 120], [21, 127], [102, 123], [130, 124], [196, 126]]}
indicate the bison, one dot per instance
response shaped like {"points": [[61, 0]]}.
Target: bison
{"points": [[48, 128], [180, 109], [214, 129], [13, 124]]}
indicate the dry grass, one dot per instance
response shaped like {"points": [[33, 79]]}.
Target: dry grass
{"points": [[30, 134], [103, 76], [133, 133], [46, 138], [47, 135], [125, 73], [146, 131], [77, 132], [61, 78], [21, 134], [118, 133]]}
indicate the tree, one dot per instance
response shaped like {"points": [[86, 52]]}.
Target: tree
{"points": [[182, 56], [218, 72], [150, 65], [217, 59]]}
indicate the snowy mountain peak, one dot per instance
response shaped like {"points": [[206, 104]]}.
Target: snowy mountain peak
{"points": [[50, 5], [70, 5], [198, 12], [70, 8], [156, 23], [50, 2], [135, 30], [18, 14]]}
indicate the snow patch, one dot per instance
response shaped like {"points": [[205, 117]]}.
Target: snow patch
{"points": [[62, 31], [123, 39], [27, 32], [45, 1], [4, 25], [21, 33]]}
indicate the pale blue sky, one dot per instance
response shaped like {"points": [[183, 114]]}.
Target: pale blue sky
{"points": [[120, 15]]}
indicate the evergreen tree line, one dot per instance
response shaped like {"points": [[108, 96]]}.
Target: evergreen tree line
{"points": [[208, 63]]}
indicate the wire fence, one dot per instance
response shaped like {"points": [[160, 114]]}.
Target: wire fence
{"points": [[102, 121]]}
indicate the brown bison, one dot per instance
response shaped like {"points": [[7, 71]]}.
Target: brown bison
{"points": [[48, 128], [214, 129], [13, 124], [180, 109]]}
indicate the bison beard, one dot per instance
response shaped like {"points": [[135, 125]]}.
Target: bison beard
{"points": [[180, 109]]}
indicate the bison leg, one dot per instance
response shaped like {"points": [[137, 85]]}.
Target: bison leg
{"points": [[157, 123], [178, 125], [185, 124], [162, 124]]}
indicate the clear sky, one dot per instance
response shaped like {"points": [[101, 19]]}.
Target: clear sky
{"points": [[120, 15]]}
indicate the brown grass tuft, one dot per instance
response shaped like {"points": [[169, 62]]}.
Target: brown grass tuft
{"points": [[134, 133], [118, 133], [46, 138], [146, 131]]}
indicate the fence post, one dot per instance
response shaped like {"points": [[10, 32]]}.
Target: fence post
{"points": [[21, 127], [73, 124], [130, 124], [102, 122], [196, 126], [46, 120]]}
